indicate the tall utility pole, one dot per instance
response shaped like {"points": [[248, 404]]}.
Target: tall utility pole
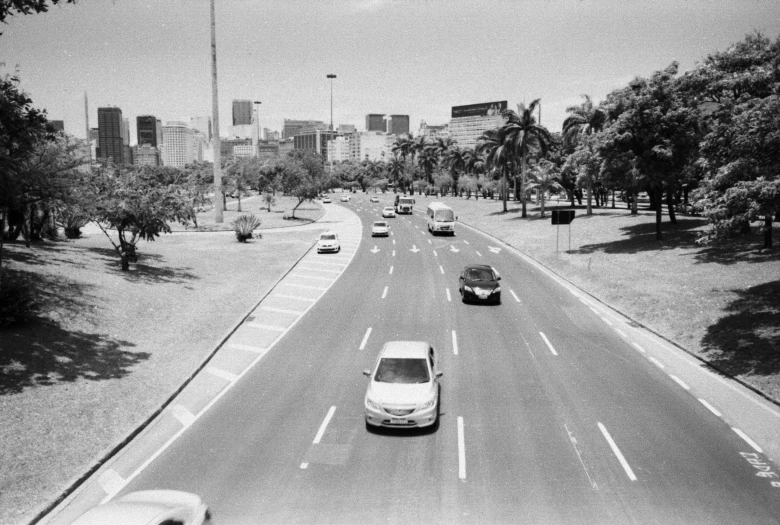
{"points": [[86, 123], [215, 116], [256, 142], [331, 76]]}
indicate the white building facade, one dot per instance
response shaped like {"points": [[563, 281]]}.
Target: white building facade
{"points": [[178, 148], [468, 123]]}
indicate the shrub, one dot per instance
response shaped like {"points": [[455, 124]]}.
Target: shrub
{"points": [[244, 225], [17, 303]]}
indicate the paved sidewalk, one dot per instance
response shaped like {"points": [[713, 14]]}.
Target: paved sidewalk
{"points": [[241, 349]]}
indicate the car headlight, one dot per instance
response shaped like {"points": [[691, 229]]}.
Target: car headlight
{"points": [[371, 404], [497, 289], [468, 288], [428, 404]]}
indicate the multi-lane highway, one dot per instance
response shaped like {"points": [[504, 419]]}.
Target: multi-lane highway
{"points": [[549, 414]]}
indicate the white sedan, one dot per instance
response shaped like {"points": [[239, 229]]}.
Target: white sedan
{"points": [[344, 198], [149, 507], [328, 242], [380, 228], [374, 199], [388, 211]]}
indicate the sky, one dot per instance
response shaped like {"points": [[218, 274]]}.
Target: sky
{"points": [[411, 57]]}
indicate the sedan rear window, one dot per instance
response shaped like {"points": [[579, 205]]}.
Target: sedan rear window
{"points": [[328, 237], [402, 370]]}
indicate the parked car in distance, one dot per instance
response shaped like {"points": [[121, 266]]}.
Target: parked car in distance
{"points": [[326, 200], [479, 282], [328, 242], [149, 507], [380, 228], [403, 389], [388, 211], [374, 199], [344, 197]]}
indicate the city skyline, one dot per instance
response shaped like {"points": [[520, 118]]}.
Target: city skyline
{"points": [[153, 59]]}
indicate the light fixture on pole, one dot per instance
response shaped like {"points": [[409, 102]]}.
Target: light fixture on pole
{"points": [[331, 76]]}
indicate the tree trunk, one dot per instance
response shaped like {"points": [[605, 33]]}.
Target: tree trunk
{"points": [[613, 199], [635, 195], [589, 188], [522, 184], [658, 192], [670, 206], [503, 190], [767, 231]]}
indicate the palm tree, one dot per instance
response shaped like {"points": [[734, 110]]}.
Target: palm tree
{"points": [[395, 168], [418, 145], [544, 180], [583, 120], [523, 133], [402, 146], [455, 157], [497, 153], [428, 160]]}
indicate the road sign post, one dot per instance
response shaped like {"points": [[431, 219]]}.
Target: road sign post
{"points": [[562, 217]]}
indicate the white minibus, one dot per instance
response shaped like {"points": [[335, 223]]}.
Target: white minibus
{"points": [[441, 218]]}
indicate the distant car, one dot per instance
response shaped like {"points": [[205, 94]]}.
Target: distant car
{"points": [[479, 282], [380, 228], [403, 390], [388, 211], [326, 200], [328, 242], [149, 507], [374, 199], [344, 197]]}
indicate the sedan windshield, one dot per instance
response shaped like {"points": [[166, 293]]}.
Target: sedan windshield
{"points": [[401, 370], [479, 274]]}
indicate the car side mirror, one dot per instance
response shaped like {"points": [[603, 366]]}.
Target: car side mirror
{"points": [[439, 374], [367, 372]]}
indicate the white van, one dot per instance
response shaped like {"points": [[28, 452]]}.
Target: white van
{"points": [[441, 218]]}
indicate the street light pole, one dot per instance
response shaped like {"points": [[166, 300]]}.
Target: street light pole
{"points": [[215, 116], [331, 76], [257, 129]]}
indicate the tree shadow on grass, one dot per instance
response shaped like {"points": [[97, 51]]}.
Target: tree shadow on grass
{"points": [[641, 237], [747, 340], [44, 352], [149, 268]]}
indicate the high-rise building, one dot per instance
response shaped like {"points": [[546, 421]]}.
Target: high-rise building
{"points": [[148, 130], [146, 155], [126, 131], [202, 124], [433, 132], [398, 124], [110, 143], [315, 140], [371, 145], [376, 122], [242, 112], [178, 144], [295, 127], [468, 123], [235, 147], [269, 134]]}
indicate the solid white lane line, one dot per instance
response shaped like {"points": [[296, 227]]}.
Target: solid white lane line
{"points": [[435, 254], [454, 343], [656, 362], [479, 254], [679, 382], [639, 347], [616, 451], [547, 341], [514, 295], [461, 450], [710, 407], [324, 425], [365, 338], [449, 297], [606, 321], [748, 440], [594, 310], [391, 270], [619, 331], [440, 268], [384, 293]]}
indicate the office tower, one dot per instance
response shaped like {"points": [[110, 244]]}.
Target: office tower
{"points": [[345, 129], [242, 112], [146, 155], [148, 130], [110, 144], [469, 122], [295, 127], [399, 124], [126, 131], [315, 140], [202, 124], [376, 122], [178, 144], [433, 132]]}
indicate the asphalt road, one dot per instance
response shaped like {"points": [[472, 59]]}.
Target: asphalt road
{"points": [[549, 415]]}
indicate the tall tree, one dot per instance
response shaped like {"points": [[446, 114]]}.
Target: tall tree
{"points": [[523, 133], [456, 158], [498, 155], [395, 169], [584, 119], [428, 160]]}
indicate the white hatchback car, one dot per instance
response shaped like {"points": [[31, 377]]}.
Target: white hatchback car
{"points": [[344, 197], [403, 391], [328, 242], [380, 228], [149, 507], [374, 199], [388, 211]]}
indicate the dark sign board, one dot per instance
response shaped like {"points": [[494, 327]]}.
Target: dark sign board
{"points": [[479, 110], [562, 216]]}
